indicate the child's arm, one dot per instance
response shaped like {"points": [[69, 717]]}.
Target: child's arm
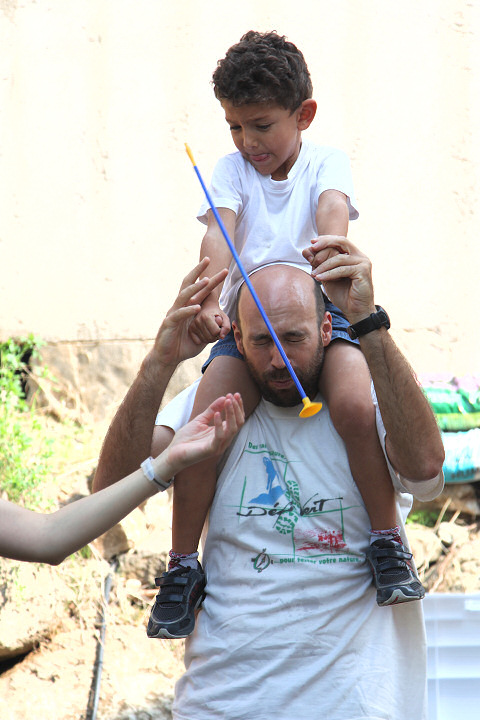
{"points": [[38, 537], [211, 323], [331, 219]]}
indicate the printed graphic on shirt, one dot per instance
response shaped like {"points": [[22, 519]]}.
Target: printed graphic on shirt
{"points": [[304, 528]]}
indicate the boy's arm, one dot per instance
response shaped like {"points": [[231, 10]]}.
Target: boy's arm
{"points": [[211, 323], [331, 219]]}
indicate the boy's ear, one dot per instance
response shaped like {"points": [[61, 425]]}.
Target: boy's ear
{"points": [[306, 113]]}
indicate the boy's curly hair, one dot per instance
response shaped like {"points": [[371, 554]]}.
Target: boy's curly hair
{"points": [[262, 68]]}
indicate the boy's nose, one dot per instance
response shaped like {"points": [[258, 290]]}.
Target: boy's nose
{"points": [[249, 140]]}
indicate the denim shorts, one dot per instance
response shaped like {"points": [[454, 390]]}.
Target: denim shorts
{"points": [[228, 346]]}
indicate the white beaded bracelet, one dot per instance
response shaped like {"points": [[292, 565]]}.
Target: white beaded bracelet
{"points": [[149, 473]]}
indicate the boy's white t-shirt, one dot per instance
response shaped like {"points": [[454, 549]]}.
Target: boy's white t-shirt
{"points": [[275, 218], [290, 627]]}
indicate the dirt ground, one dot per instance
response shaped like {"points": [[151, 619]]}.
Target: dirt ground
{"points": [[55, 679]]}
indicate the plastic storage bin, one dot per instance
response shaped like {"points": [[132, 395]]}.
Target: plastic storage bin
{"points": [[453, 640]]}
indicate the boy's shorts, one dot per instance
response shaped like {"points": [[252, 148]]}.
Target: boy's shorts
{"points": [[228, 346]]}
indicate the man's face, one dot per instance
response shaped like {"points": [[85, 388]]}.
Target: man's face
{"points": [[293, 314]]}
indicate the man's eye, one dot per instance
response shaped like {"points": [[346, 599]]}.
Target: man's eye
{"points": [[234, 128]]}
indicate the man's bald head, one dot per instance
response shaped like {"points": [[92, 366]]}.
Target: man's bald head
{"points": [[284, 278]]}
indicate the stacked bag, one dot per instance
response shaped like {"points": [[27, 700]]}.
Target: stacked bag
{"points": [[456, 404]]}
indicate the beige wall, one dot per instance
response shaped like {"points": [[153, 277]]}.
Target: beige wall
{"points": [[98, 198]]}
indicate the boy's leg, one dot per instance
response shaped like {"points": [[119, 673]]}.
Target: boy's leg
{"points": [[345, 384], [182, 586], [194, 487]]}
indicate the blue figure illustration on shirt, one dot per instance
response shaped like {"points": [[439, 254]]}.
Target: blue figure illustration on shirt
{"points": [[273, 492]]}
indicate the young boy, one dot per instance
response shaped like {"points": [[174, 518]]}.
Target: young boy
{"points": [[275, 195]]}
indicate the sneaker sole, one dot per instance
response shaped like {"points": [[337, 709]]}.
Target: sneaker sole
{"points": [[164, 634], [397, 597]]}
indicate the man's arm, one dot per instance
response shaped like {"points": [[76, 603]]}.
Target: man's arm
{"points": [[414, 444], [129, 437]]}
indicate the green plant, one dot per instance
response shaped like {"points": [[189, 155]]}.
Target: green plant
{"points": [[24, 449], [423, 517]]}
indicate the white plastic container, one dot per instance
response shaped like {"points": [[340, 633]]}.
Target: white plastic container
{"points": [[453, 639]]}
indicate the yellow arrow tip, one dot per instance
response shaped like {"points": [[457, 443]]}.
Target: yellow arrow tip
{"points": [[309, 408], [189, 153]]}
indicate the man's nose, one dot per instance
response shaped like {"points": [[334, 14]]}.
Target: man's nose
{"points": [[276, 359]]}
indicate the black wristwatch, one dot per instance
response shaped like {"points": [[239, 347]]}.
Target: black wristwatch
{"points": [[373, 322]]}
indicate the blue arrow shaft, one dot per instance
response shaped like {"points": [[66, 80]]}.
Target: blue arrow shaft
{"points": [[250, 287]]}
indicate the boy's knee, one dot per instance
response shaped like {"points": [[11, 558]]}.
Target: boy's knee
{"points": [[353, 417]]}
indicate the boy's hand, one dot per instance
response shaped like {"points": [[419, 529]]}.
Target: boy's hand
{"points": [[210, 324], [317, 253], [174, 342]]}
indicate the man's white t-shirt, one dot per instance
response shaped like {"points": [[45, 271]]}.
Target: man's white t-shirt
{"points": [[275, 219], [290, 627]]}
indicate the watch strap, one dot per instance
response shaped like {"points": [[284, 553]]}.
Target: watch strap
{"points": [[374, 321]]}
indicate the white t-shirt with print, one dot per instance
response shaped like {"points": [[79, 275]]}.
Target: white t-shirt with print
{"points": [[290, 627], [275, 219]]}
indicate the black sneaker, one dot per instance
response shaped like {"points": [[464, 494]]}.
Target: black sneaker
{"points": [[393, 573], [181, 593]]}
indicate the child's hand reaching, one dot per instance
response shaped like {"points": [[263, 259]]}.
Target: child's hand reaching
{"points": [[209, 325], [207, 435], [317, 254]]}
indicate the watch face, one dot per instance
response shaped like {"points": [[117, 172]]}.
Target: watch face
{"points": [[382, 316]]}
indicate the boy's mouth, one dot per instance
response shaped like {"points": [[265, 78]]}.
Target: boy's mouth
{"points": [[259, 158]]}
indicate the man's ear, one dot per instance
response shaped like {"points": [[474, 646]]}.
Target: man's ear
{"points": [[326, 329], [238, 337], [306, 113]]}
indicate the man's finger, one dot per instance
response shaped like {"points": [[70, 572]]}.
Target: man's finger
{"points": [[191, 277], [181, 314], [185, 295], [211, 285], [335, 242], [332, 266]]}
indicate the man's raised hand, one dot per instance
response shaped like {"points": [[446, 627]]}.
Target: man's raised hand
{"points": [[346, 274], [174, 342]]}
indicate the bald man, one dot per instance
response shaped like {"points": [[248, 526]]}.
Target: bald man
{"points": [[290, 626]]}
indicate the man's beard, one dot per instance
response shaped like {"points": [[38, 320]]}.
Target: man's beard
{"points": [[308, 378]]}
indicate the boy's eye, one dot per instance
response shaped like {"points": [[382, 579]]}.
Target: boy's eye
{"points": [[264, 127]]}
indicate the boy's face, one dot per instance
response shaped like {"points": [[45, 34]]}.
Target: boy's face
{"points": [[267, 135]]}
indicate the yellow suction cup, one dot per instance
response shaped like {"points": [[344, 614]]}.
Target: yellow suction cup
{"points": [[309, 408]]}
